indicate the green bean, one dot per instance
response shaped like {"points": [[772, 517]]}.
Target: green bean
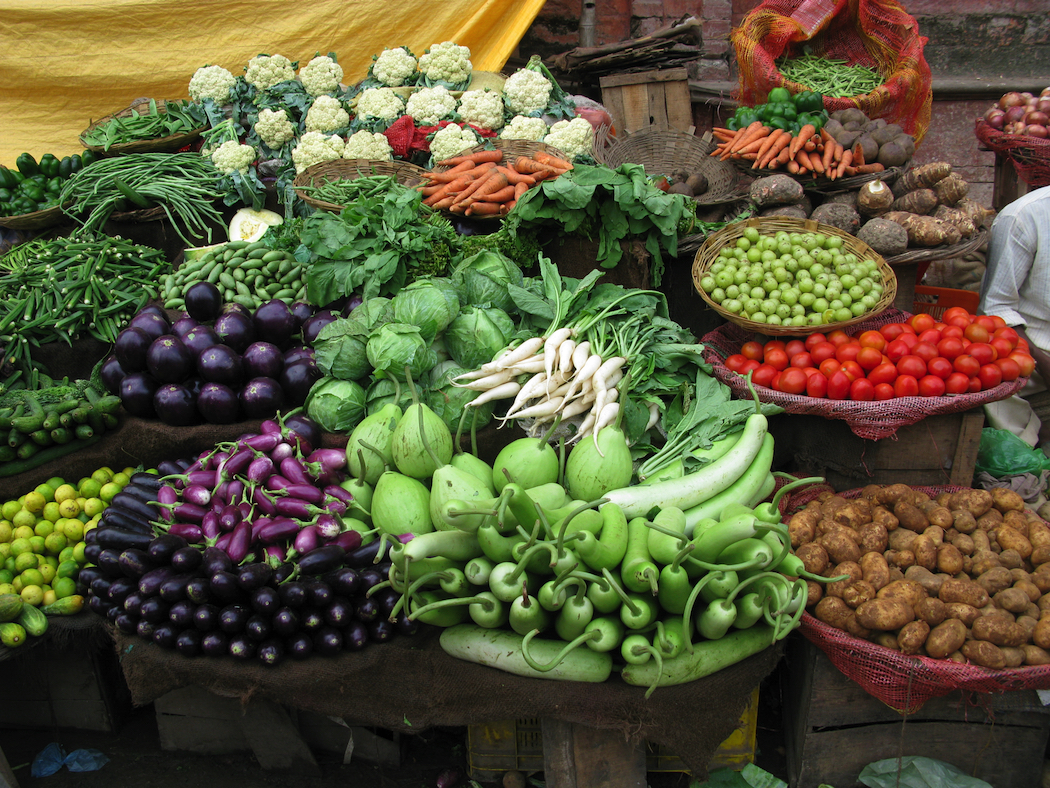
{"points": [[177, 117], [828, 76], [346, 191]]}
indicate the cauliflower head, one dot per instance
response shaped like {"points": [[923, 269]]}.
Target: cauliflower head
{"points": [[482, 108], [446, 62], [274, 128], [327, 113], [394, 67], [429, 105], [450, 140], [575, 137], [379, 103], [265, 71], [212, 82], [524, 128], [232, 157], [315, 147], [527, 92], [367, 145], [321, 75]]}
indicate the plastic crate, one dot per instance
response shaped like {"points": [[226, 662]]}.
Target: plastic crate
{"points": [[506, 745], [936, 300]]}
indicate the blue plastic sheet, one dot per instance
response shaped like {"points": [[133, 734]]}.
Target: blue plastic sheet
{"points": [[53, 757]]}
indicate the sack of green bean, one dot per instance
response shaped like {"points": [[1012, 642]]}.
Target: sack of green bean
{"points": [[867, 56]]}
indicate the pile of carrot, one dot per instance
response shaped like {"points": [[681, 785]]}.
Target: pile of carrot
{"points": [[812, 151], [485, 183]]}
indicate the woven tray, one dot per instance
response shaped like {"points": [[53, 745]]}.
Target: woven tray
{"points": [[511, 149], [403, 172], [662, 152], [823, 185], [708, 253], [37, 220], [168, 144], [964, 247]]}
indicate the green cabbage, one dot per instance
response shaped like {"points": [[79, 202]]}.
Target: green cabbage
{"points": [[336, 405], [371, 314], [477, 335], [483, 278], [340, 351], [386, 391], [448, 400], [393, 346], [431, 304]]}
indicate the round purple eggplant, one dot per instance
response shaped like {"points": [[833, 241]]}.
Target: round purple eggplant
{"points": [[145, 629], [206, 617], [406, 625], [203, 301], [254, 576], [355, 636], [312, 325], [111, 374], [297, 379], [261, 397], [293, 594], [302, 312], [188, 643], [221, 364], [381, 630], [328, 641], [156, 325], [232, 618], [339, 612], [285, 621], [265, 600], [242, 647], [200, 338], [176, 405], [344, 581], [366, 609], [224, 587], [319, 593], [99, 605], [136, 394], [130, 349], [215, 560], [186, 559], [169, 360], [198, 590], [274, 322], [134, 563], [215, 643], [235, 330], [311, 619], [127, 623], [262, 360], [183, 325], [299, 353], [162, 548], [299, 646], [258, 627], [271, 652], [218, 403], [181, 614], [165, 636], [132, 603], [305, 427]]}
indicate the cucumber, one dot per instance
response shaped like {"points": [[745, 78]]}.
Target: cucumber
{"points": [[33, 621], [66, 606], [501, 649], [12, 635], [10, 607]]}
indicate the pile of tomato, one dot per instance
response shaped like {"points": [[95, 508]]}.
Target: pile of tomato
{"points": [[921, 357]]}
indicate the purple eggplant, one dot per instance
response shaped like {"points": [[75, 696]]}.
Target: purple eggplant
{"points": [[197, 494], [203, 301], [344, 581], [119, 590], [271, 652], [241, 647], [232, 618], [145, 629], [165, 635], [99, 605], [127, 623], [86, 577], [254, 576], [355, 636], [328, 641], [258, 627], [381, 630], [293, 594], [366, 609], [322, 560], [369, 577], [406, 625], [299, 645], [132, 603], [174, 588], [285, 621], [134, 563], [198, 590], [215, 643], [366, 555], [339, 612], [130, 349], [206, 617], [154, 609], [222, 541], [328, 527], [280, 529], [191, 532], [182, 325], [262, 359], [229, 517], [181, 613], [112, 373], [118, 538], [224, 587], [299, 508], [261, 397], [161, 548], [221, 364], [275, 554], [240, 542], [186, 559], [235, 492], [306, 540], [319, 593], [188, 643], [310, 620], [218, 403], [337, 492], [236, 463], [265, 600], [293, 469], [100, 588], [348, 540], [150, 582], [259, 469], [276, 482], [263, 502], [211, 526], [387, 598], [235, 330]]}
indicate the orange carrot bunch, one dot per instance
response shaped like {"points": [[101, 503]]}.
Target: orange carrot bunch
{"points": [[484, 183], [811, 151]]}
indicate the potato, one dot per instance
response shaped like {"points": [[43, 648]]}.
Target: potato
{"points": [[814, 557], [965, 591], [814, 592], [1033, 655], [1011, 559], [886, 640], [901, 539], [833, 612], [930, 582], [908, 590], [945, 638], [1027, 587], [1041, 633], [1000, 629], [937, 515], [854, 627], [858, 593], [1016, 520], [875, 569], [976, 502], [990, 520], [936, 533], [981, 542], [1004, 499], [963, 543], [854, 514], [890, 494], [963, 521], [832, 504], [874, 538], [963, 612], [1033, 610], [1012, 599], [931, 610], [885, 614], [802, 527], [900, 559], [983, 653], [912, 636], [910, 517], [1028, 624], [1014, 656], [880, 515], [850, 571], [1040, 555], [697, 182], [925, 552], [995, 580], [1011, 539], [983, 560], [1038, 532], [840, 546], [949, 559]]}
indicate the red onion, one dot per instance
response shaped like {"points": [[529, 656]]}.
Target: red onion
{"points": [[1036, 131], [995, 118], [1036, 118], [1011, 99], [1015, 113]]}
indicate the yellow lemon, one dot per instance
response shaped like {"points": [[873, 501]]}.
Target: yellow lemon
{"points": [[69, 508], [47, 572], [78, 552], [74, 530], [55, 543], [6, 531], [51, 511], [109, 489], [5, 551], [32, 577], [103, 474], [21, 545], [94, 506], [32, 595], [46, 491], [10, 509], [64, 492], [16, 585], [49, 598], [7, 588], [34, 502], [89, 488], [24, 561], [37, 543], [24, 517]]}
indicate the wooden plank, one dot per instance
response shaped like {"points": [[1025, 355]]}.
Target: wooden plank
{"points": [[968, 444], [644, 77], [275, 740], [679, 107], [559, 764], [605, 759], [656, 111]]}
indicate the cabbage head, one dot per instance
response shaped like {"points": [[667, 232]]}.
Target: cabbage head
{"points": [[430, 304], [477, 335], [339, 350], [483, 278], [448, 401], [393, 346], [386, 391], [370, 315], [336, 405]]}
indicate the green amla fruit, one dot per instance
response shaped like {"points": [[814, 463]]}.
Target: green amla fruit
{"points": [[368, 450], [594, 467], [401, 505], [417, 429]]}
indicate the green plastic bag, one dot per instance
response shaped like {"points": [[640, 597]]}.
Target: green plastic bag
{"points": [[1004, 454]]}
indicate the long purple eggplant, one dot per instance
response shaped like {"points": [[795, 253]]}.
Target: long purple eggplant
{"points": [[259, 469], [348, 540], [263, 502], [211, 525], [240, 542], [321, 560], [197, 494], [337, 492], [162, 547], [276, 482], [306, 540], [150, 582], [235, 492], [229, 517], [279, 529], [297, 507], [264, 442], [293, 470], [191, 532], [282, 450]]}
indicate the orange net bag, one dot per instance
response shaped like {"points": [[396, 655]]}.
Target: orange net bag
{"points": [[877, 34]]}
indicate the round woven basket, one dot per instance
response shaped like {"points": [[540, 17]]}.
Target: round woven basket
{"points": [[168, 144], [818, 183], [964, 247], [662, 152], [708, 253], [403, 172], [37, 220]]}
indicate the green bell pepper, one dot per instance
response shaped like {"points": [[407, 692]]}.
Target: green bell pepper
{"points": [[809, 101], [27, 165], [49, 165], [778, 95]]}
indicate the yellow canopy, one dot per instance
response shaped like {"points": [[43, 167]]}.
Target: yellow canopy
{"points": [[65, 63]]}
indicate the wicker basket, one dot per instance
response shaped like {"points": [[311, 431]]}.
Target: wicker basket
{"points": [[708, 253], [663, 152], [818, 183], [168, 144], [403, 172], [964, 247], [37, 220], [511, 150]]}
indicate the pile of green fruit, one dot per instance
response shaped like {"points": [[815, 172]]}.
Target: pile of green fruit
{"points": [[35, 185]]}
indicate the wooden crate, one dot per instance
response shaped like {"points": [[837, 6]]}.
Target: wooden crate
{"points": [[833, 728], [47, 687], [649, 99], [937, 450]]}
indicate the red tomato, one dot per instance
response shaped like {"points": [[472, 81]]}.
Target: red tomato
{"points": [[749, 366], [940, 367], [821, 351], [891, 331], [997, 322], [763, 376], [912, 366], [1022, 344], [795, 346], [966, 364], [813, 339], [1003, 346], [838, 385], [802, 360], [873, 339], [829, 367], [989, 322], [952, 331], [974, 386], [774, 344], [861, 390], [931, 386], [869, 358], [1011, 369], [1024, 361], [896, 350], [853, 370], [924, 350], [983, 352], [793, 381], [735, 362], [752, 350], [817, 386], [921, 321], [950, 347], [955, 311], [884, 391], [883, 373], [931, 335], [776, 358], [839, 337], [1007, 333], [906, 386], [775, 382], [975, 332], [957, 383], [990, 375], [847, 351], [908, 339], [811, 371]]}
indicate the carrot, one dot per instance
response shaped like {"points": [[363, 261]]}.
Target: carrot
{"points": [[515, 177], [502, 195], [804, 134], [520, 188], [474, 186], [477, 157], [805, 164], [817, 163], [447, 190], [722, 134], [551, 161], [829, 153], [453, 171], [858, 155], [527, 166], [811, 145], [482, 208], [485, 186], [867, 169], [755, 131], [444, 203], [771, 148], [844, 161], [754, 146], [792, 166]]}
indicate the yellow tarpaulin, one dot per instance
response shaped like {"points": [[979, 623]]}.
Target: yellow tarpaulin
{"points": [[65, 63]]}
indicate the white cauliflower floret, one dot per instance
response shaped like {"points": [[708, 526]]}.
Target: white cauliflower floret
{"points": [[232, 156], [315, 147], [212, 82], [265, 71], [429, 105], [527, 92], [393, 67], [379, 103], [450, 140], [482, 108], [327, 113], [446, 62], [321, 75], [274, 128], [574, 137], [525, 128], [367, 145]]}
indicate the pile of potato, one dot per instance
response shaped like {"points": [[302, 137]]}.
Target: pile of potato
{"points": [[963, 576]]}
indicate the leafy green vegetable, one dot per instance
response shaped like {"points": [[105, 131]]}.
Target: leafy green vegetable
{"points": [[429, 303], [339, 350], [477, 335], [448, 401], [337, 405], [395, 346], [482, 279]]}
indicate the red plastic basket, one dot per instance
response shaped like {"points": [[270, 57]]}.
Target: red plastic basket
{"points": [[937, 300]]}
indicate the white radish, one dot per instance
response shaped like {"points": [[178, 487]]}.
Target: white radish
{"points": [[654, 416], [579, 405], [580, 354], [606, 369], [475, 374], [585, 427], [606, 416], [528, 366], [489, 381], [529, 389], [503, 391], [565, 350], [544, 408], [512, 356], [550, 348], [585, 372]]}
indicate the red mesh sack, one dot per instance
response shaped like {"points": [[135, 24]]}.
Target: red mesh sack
{"points": [[877, 34], [1030, 155], [873, 420], [901, 681]]}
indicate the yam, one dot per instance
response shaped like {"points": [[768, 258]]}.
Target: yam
{"points": [[922, 177], [837, 215], [950, 189], [973, 210], [874, 198], [919, 201], [776, 189], [786, 211], [698, 183], [956, 218], [892, 154], [883, 134], [885, 237]]}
